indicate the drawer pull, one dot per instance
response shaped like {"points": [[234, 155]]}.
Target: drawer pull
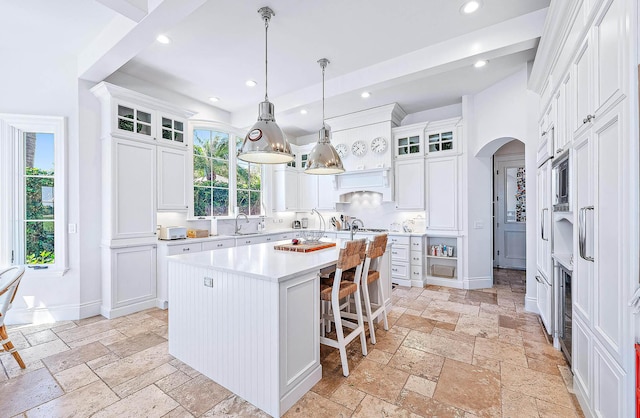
{"points": [[394, 269], [219, 245], [185, 249]]}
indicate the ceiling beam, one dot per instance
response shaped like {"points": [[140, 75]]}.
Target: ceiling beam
{"points": [[135, 10], [123, 38]]}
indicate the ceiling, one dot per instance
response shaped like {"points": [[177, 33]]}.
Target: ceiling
{"points": [[417, 53]]}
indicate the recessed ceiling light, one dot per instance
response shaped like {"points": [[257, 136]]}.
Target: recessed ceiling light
{"points": [[250, 83], [163, 39], [480, 64], [214, 99], [471, 6], [303, 111], [365, 94]]}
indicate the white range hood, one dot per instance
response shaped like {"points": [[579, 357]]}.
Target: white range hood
{"points": [[351, 184]]}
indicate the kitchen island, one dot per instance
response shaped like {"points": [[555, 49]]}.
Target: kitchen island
{"points": [[249, 319]]}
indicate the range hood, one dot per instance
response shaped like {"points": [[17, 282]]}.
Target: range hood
{"points": [[373, 181]]}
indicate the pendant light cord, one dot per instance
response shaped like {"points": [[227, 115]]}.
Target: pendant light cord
{"points": [[266, 78], [323, 67]]}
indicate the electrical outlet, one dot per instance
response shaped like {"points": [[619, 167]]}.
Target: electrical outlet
{"points": [[208, 281], [279, 221]]}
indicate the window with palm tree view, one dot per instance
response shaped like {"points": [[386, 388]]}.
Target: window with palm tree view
{"points": [[219, 178]]}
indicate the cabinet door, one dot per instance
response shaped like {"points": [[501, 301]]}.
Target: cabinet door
{"points": [[410, 184], [133, 195], [543, 187], [218, 244], [408, 145], [172, 179], [307, 190], [285, 190], [544, 302], [582, 94], [608, 54], [172, 130], [559, 135], [442, 193], [133, 271], [133, 121], [326, 192]]}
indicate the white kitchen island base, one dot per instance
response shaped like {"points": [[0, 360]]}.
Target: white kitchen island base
{"points": [[257, 338]]}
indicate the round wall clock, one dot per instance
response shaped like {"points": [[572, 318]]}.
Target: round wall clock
{"points": [[342, 150], [359, 148], [379, 145]]}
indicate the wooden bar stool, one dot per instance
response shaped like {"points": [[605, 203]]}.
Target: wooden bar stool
{"points": [[371, 275], [9, 281], [351, 256]]}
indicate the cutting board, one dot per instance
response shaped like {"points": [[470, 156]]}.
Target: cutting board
{"points": [[304, 248]]}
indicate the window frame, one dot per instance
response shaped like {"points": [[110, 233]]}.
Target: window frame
{"points": [[12, 127], [233, 165]]}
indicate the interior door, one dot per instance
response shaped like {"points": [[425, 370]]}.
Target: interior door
{"points": [[511, 214]]}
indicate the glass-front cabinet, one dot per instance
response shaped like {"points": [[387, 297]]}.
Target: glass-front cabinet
{"points": [[172, 129], [133, 119], [408, 141], [442, 137]]}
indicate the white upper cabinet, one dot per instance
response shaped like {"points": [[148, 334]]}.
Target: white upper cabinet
{"points": [[583, 108], [172, 179], [408, 141], [285, 189], [307, 191], [172, 130], [544, 225], [409, 180], [327, 192], [134, 120]]}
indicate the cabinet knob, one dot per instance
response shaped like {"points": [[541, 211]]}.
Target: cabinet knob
{"points": [[559, 150], [589, 118], [185, 249]]}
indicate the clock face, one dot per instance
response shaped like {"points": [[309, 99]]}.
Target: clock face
{"points": [[342, 150], [359, 148], [379, 145]]}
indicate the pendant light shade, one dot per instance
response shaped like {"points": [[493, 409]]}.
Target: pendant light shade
{"points": [[265, 143], [324, 158]]}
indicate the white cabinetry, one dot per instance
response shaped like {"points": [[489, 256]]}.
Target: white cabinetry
{"points": [[409, 180], [442, 263], [408, 141], [285, 189], [144, 169], [442, 137], [544, 302], [172, 179], [307, 191], [442, 193], [543, 213], [400, 261]]}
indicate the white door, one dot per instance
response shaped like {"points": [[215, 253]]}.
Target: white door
{"points": [[511, 214]]}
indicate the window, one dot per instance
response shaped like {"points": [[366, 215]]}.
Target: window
{"points": [[32, 221], [409, 145], [210, 173], [221, 182], [249, 180]]}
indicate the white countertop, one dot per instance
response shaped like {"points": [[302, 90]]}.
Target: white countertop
{"points": [[262, 261]]}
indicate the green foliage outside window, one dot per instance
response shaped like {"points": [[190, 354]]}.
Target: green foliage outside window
{"points": [[39, 215]]}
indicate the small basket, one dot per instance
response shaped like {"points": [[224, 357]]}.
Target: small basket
{"points": [[312, 235], [439, 270]]}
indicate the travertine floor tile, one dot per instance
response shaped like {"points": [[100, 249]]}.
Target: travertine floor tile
{"points": [[27, 391], [145, 379], [500, 351], [314, 405], [455, 307], [542, 386], [347, 395], [446, 347], [478, 327], [471, 388], [440, 315], [518, 405], [59, 362], [416, 362], [76, 377], [424, 387], [41, 337], [178, 412], [550, 410], [199, 395], [376, 407], [234, 406], [417, 323], [168, 383], [79, 403], [375, 379], [149, 402], [127, 368], [428, 407], [132, 345]]}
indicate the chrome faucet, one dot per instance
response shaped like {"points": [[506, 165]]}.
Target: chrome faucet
{"points": [[237, 231], [354, 227]]}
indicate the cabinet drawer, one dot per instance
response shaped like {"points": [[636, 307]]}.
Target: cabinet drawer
{"points": [[400, 271], [416, 272], [400, 253], [253, 240], [184, 249], [399, 240], [218, 244], [416, 258], [416, 243]]}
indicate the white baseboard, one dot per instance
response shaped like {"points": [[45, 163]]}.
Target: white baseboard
{"points": [[417, 283], [582, 400], [402, 282], [305, 385], [42, 315], [441, 281], [126, 310], [531, 305], [478, 282]]}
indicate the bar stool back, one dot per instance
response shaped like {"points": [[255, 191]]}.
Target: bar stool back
{"points": [[9, 281], [351, 256]]}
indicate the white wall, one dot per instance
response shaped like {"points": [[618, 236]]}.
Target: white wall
{"points": [[493, 118]]}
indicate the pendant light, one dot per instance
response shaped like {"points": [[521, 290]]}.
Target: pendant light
{"points": [[324, 158], [265, 142]]}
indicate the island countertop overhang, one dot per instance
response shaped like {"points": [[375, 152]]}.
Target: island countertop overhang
{"points": [[262, 261]]}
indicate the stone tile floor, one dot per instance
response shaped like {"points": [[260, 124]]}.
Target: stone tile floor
{"points": [[448, 353]]}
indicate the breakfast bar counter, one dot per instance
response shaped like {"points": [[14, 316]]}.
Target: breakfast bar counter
{"points": [[248, 318]]}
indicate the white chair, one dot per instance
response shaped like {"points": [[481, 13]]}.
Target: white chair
{"points": [[9, 281], [371, 275], [351, 256]]}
